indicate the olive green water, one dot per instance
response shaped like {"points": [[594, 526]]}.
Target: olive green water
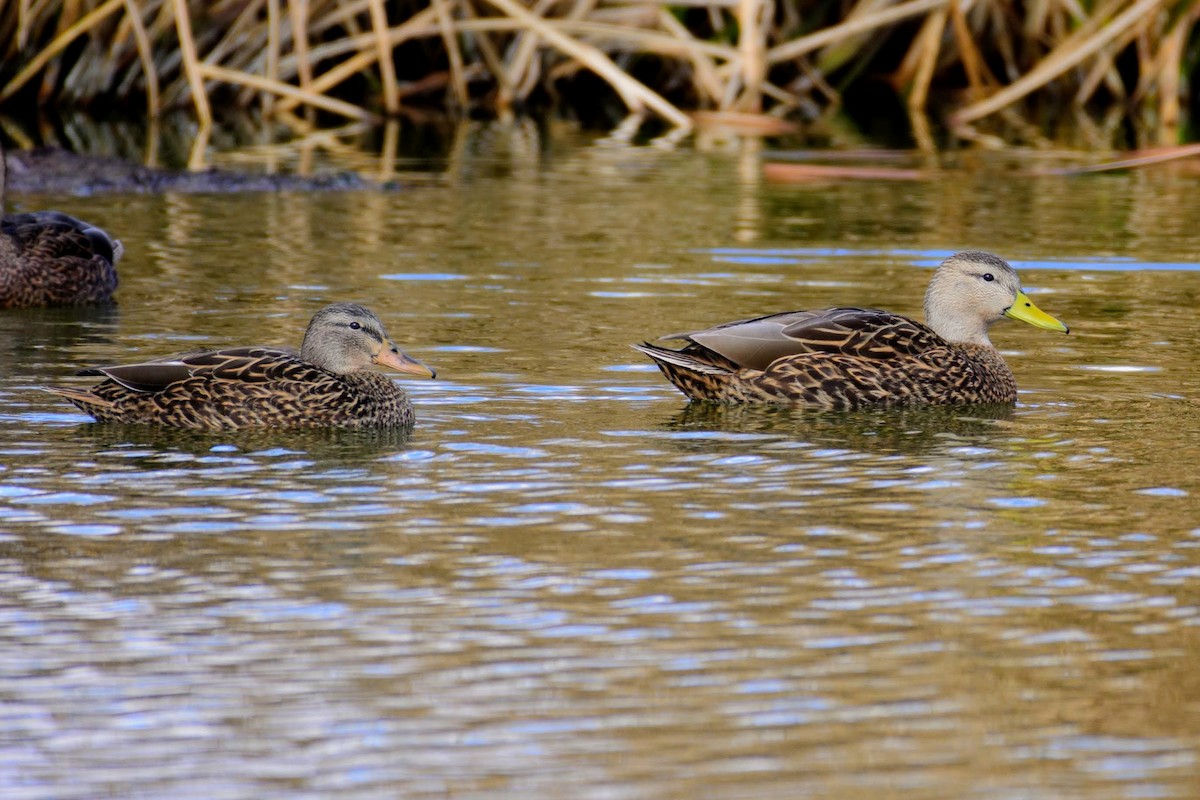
{"points": [[568, 583]]}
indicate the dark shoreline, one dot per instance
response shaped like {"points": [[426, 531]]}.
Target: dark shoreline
{"points": [[53, 170]]}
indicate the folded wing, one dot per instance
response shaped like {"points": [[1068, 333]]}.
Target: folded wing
{"points": [[866, 333], [244, 364]]}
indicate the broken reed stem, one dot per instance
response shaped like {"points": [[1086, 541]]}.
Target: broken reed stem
{"points": [[706, 75], [521, 52], [453, 55], [495, 64], [929, 40], [298, 11], [145, 55], [1171, 54], [214, 72], [973, 63], [750, 48], [191, 63], [387, 68], [628, 39], [274, 47], [846, 30]]}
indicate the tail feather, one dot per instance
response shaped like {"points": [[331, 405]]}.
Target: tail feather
{"points": [[84, 399], [681, 359], [696, 371]]}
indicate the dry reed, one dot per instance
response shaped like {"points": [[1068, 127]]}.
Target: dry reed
{"points": [[971, 60]]}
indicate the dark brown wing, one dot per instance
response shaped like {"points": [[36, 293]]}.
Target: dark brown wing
{"points": [[236, 364], [52, 235], [861, 332]]}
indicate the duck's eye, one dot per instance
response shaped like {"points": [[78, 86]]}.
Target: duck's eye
{"points": [[354, 326], [987, 276]]}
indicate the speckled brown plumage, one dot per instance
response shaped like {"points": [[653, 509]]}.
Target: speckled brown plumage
{"points": [[853, 358], [326, 384], [50, 259]]}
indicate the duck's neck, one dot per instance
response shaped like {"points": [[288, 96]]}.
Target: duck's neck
{"points": [[957, 328], [950, 320]]}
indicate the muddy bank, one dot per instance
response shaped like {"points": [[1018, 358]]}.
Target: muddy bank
{"points": [[52, 170]]}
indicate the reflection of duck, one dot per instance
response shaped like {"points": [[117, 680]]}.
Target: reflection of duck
{"points": [[324, 445], [910, 430], [849, 358], [326, 384], [50, 259]]}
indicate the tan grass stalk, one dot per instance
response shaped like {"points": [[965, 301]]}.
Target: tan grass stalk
{"points": [[784, 98], [519, 73], [1070, 53], [1171, 56], [495, 64], [387, 153], [621, 38], [633, 93], [343, 14], [1166, 53], [976, 68], [326, 19], [191, 63], [582, 11], [1001, 36], [238, 38], [146, 55], [453, 54], [705, 75], [835, 33], [424, 23], [274, 46], [751, 42], [17, 134], [839, 53], [1104, 71], [421, 21], [387, 69], [930, 42], [23, 20], [298, 11], [907, 69], [214, 72], [59, 44], [196, 159], [1134, 159]]}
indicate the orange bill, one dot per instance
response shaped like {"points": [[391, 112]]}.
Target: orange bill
{"points": [[391, 356]]}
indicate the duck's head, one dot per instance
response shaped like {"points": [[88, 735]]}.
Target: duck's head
{"points": [[971, 290], [345, 337]]}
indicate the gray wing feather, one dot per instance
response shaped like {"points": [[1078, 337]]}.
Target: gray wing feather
{"points": [[756, 343], [156, 375]]}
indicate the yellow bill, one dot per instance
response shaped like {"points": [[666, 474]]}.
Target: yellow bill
{"points": [[390, 356], [1024, 310]]}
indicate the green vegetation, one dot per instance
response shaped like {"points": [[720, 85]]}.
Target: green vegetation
{"points": [[983, 68]]}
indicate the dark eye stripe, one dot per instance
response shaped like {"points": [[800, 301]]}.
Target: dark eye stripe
{"points": [[368, 329]]}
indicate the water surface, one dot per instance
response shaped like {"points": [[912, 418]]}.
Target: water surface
{"points": [[570, 583]]}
